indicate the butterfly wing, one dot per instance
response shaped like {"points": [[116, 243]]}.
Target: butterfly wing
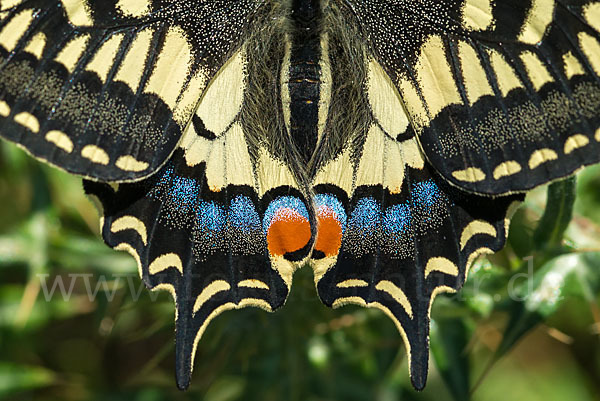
{"points": [[503, 95], [392, 233], [225, 222], [105, 89]]}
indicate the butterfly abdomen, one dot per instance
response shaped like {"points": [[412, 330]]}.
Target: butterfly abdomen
{"points": [[304, 72]]}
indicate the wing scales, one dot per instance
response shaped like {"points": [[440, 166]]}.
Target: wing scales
{"points": [[121, 80], [518, 87], [224, 223], [379, 232], [423, 107]]}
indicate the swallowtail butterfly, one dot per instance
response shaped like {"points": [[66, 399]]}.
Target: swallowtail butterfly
{"points": [[381, 142]]}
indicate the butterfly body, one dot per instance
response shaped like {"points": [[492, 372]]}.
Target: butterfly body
{"points": [[380, 142], [304, 76]]}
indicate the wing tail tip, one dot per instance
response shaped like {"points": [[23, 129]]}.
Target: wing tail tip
{"points": [[419, 368], [418, 377], [183, 371], [183, 378], [184, 353]]}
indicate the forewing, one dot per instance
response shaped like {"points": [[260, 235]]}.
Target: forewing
{"points": [[105, 89], [503, 95], [225, 222], [392, 233]]}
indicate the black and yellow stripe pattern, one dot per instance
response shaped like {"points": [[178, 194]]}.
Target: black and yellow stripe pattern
{"points": [[503, 94], [383, 142], [106, 90]]}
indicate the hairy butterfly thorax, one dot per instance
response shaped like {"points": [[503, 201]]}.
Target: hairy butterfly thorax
{"points": [[382, 142]]}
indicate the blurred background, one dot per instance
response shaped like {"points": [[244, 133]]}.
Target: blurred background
{"points": [[526, 326]]}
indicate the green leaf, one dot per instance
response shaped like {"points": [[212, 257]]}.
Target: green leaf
{"points": [[557, 216], [14, 378], [544, 291], [226, 388], [588, 193], [520, 233], [485, 283], [41, 190], [584, 279], [448, 340]]}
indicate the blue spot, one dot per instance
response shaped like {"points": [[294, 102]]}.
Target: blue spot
{"points": [[242, 214], [425, 194], [332, 203], [165, 175], [397, 219], [161, 181], [283, 202], [181, 192], [184, 191], [366, 214], [211, 218]]}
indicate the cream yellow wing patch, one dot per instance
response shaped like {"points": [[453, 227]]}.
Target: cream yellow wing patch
{"points": [[8, 4], [538, 74], [165, 261], [538, 20], [591, 49], [474, 76], [222, 100], [78, 12], [591, 13], [60, 139], [130, 223], [4, 109], [385, 100], [132, 67], [477, 15], [12, 32], [104, 58], [506, 77], [172, 67], [338, 172], [371, 167], [69, 56], [130, 163], [134, 8], [572, 66], [37, 45], [95, 154], [396, 292], [436, 80], [272, 173]]}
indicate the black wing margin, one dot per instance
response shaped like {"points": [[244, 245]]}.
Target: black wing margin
{"points": [[224, 223], [504, 95], [105, 89], [392, 232], [399, 251], [207, 248]]}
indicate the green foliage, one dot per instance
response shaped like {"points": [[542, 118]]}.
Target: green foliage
{"points": [[525, 326]]}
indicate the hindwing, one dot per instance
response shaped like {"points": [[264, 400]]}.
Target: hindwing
{"points": [[226, 221], [392, 233]]}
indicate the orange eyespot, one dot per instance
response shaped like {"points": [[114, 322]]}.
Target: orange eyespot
{"points": [[289, 231], [329, 234]]}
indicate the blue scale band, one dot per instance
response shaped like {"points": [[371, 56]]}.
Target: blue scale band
{"points": [[283, 202], [332, 203]]}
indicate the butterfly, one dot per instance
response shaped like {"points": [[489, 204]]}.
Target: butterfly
{"points": [[383, 143]]}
